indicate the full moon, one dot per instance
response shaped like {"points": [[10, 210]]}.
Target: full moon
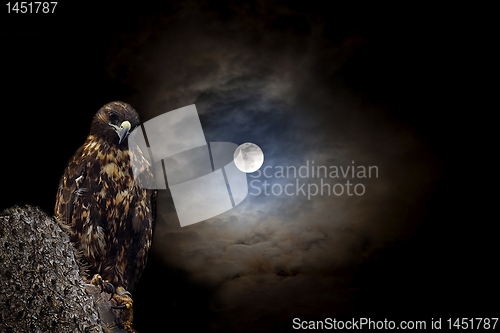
{"points": [[248, 157]]}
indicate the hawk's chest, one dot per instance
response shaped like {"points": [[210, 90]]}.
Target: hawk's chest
{"points": [[114, 186]]}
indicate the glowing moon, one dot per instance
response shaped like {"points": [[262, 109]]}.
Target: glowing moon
{"points": [[248, 157]]}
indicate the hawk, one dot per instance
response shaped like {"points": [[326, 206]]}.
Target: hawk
{"points": [[109, 214]]}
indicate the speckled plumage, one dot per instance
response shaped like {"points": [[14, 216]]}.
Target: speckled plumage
{"points": [[110, 216]]}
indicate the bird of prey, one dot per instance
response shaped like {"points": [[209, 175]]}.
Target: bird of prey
{"points": [[109, 214]]}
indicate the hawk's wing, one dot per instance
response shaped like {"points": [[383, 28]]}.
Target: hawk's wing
{"points": [[70, 188]]}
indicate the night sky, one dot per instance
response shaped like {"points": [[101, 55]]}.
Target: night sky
{"points": [[340, 85]]}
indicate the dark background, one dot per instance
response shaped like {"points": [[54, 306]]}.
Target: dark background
{"points": [[56, 75]]}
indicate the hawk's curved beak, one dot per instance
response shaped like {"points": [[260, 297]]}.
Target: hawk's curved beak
{"points": [[123, 130]]}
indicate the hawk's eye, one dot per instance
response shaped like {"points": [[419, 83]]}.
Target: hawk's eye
{"points": [[112, 116]]}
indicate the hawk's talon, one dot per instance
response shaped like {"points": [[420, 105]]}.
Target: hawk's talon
{"points": [[111, 288], [122, 307], [103, 285], [124, 292], [124, 303], [121, 292]]}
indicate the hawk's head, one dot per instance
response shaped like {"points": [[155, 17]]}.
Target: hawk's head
{"points": [[113, 122]]}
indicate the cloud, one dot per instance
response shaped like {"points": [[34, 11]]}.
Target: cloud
{"points": [[275, 257]]}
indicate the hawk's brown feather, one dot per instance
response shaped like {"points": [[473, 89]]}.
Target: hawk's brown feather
{"points": [[110, 216]]}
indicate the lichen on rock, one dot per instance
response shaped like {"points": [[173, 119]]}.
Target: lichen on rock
{"points": [[41, 287]]}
